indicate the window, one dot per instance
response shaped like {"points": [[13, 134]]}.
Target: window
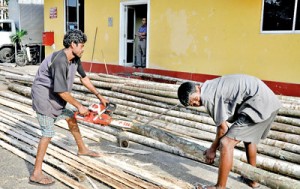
{"points": [[75, 14], [281, 16]]}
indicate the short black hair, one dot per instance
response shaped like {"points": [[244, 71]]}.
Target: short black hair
{"points": [[75, 36], [184, 92]]}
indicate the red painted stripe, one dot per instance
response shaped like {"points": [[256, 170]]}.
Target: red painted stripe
{"points": [[280, 88]]}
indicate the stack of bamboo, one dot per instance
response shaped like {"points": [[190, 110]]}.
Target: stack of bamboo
{"points": [[183, 131]]}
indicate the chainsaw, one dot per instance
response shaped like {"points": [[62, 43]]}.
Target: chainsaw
{"points": [[100, 114]]}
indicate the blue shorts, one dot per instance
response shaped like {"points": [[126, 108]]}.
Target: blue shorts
{"points": [[47, 123]]}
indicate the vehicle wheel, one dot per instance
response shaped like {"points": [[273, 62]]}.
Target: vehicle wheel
{"points": [[7, 55], [21, 59]]}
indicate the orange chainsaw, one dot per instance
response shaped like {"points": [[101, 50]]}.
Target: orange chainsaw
{"points": [[99, 114]]}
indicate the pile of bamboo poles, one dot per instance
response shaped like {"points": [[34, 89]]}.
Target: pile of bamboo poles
{"points": [[183, 131]]}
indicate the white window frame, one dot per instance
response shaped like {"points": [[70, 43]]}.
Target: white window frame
{"points": [[279, 31]]}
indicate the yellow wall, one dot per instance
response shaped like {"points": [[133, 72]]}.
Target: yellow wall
{"points": [[220, 37], [107, 40], [208, 37], [56, 25]]}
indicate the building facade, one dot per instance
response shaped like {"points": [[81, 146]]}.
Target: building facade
{"points": [[3, 9], [192, 39]]}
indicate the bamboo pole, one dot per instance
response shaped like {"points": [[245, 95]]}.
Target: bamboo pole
{"points": [[16, 106], [161, 77]]}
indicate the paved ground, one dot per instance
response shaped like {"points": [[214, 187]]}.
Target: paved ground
{"points": [[15, 171]]}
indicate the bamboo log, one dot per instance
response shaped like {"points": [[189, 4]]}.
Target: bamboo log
{"points": [[161, 77], [291, 106], [289, 98], [12, 71], [15, 96], [285, 128], [152, 85], [282, 145], [287, 120], [25, 78], [96, 77], [20, 89], [286, 137], [16, 106], [288, 112]]}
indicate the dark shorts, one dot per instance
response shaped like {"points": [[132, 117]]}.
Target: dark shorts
{"points": [[47, 123], [244, 129]]}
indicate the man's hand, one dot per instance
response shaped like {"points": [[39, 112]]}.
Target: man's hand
{"points": [[210, 156], [83, 110], [103, 100]]}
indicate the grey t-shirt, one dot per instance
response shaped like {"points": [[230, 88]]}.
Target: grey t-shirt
{"points": [[54, 75], [226, 97]]}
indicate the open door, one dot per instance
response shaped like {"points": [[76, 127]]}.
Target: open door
{"points": [[131, 14], [130, 36]]}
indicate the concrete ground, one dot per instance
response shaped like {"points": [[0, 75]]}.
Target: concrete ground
{"points": [[15, 170]]}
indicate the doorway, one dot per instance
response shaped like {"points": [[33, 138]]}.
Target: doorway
{"points": [[130, 21]]}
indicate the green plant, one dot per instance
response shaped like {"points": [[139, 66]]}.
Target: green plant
{"points": [[17, 40], [17, 37]]}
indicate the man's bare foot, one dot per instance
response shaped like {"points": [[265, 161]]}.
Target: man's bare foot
{"points": [[249, 182], [89, 153], [41, 180]]}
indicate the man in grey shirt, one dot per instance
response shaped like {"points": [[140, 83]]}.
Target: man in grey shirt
{"points": [[244, 101], [51, 91]]}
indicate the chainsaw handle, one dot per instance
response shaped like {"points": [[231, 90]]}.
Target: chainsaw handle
{"points": [[111, 106]]}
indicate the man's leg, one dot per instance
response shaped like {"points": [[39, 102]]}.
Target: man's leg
{"points": [[251, 152], [47, 129], [225, 162], [138, 55], [37, 174], [143, 49], [74, 129], [226, 158]]}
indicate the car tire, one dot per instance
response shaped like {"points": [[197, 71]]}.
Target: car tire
{"points": [[7, 55]]}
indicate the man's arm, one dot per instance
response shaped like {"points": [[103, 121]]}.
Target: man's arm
{"points": [[211, 152], [88, 84], [68, 98]]}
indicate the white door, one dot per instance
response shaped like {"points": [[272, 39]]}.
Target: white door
{"points": [[129, 36]]}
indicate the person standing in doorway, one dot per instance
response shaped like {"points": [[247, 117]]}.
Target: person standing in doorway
{"points": [[142, 43]]}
